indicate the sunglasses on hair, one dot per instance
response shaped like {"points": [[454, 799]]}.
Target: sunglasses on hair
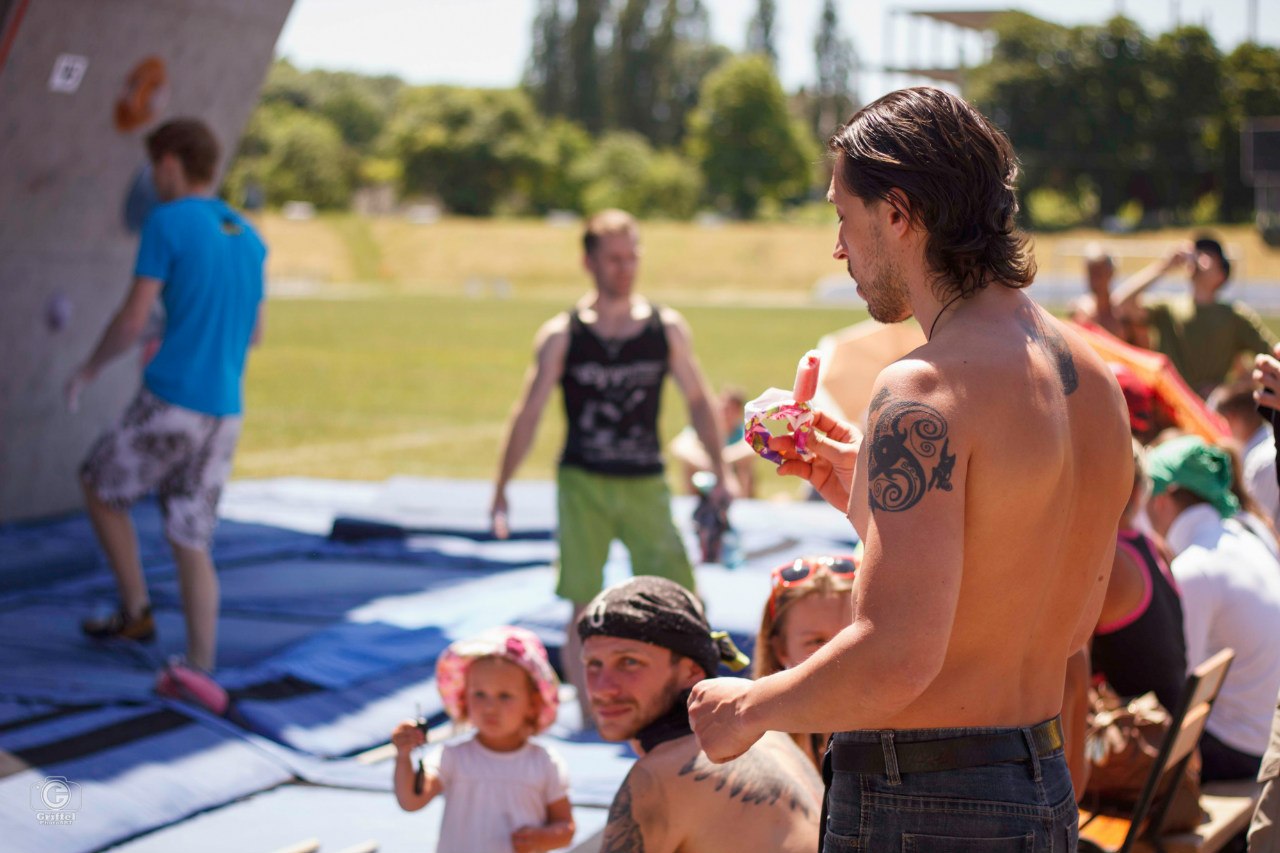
{"points": [[801, 571]]}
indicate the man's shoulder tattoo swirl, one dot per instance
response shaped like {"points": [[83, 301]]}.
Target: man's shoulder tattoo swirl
{"points": [[882, 396], [909, 455]]}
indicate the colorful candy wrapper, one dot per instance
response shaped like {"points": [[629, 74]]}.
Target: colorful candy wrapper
{"points": [[776, 404]]}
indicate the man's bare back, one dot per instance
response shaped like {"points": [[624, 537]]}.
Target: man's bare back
{"points": [[1033, 415], [675, 799]]}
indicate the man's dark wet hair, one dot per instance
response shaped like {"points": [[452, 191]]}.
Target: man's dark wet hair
{"points": [[1235, 399], [945, 167], [1210, 246], [192, 142]]}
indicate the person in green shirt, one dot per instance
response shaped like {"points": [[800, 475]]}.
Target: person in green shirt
{"points": [[1202, 335]]}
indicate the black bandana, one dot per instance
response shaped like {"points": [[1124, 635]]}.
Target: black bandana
{"points": [[661, 612], [671, 725]]}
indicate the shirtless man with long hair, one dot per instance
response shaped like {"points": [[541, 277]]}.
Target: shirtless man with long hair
{"points": [[987, 493]]}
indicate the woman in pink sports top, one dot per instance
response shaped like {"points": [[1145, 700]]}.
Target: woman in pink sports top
{"points": [[1139, 645]]}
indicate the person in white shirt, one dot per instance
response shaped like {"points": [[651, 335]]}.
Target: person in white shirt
{"points": [[1257, 449], [503, 792], [1264, 830], [1230, 584]]}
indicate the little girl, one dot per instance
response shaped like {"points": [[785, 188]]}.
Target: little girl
{"points": [[809, 603], [503, 793]]}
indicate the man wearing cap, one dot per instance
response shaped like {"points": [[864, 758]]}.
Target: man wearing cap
{"points": [[1200, 334], [645, 643], [1230, 584]]}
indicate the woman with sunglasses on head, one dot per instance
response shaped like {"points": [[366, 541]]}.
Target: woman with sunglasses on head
{"points": [[809, 602]]}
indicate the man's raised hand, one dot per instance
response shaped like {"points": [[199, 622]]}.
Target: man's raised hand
{"points": [[1266, 375], [715, 714]]}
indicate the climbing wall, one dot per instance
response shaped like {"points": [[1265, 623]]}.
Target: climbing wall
{"points": [[81, 83]]}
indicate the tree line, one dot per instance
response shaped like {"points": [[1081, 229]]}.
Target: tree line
{"points": [[1109, 122], [630, 103], [626, 103]]}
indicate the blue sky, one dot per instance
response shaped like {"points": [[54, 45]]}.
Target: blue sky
{"points": [[485, 42]]}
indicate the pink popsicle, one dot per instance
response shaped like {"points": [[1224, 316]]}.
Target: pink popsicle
{"points": [[807, 376]]}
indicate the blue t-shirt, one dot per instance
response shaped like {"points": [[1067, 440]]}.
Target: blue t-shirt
{"points": [[210, 260]]}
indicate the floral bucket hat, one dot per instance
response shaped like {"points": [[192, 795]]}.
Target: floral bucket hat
{"points": [[518, 645]]}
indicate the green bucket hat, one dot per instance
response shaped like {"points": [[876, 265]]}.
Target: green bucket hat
{"points": [[1200, 468]]}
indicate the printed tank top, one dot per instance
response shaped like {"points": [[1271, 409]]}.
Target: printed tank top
{"points": [[612, 392]]}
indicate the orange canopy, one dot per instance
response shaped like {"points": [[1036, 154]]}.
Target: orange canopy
{"points": [[1189, 411]]}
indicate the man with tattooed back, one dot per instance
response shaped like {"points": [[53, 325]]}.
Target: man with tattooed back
{"points": [[987, 493], [645, 642]]}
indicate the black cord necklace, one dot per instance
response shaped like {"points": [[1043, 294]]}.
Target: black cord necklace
{"points": [[934, 324]]}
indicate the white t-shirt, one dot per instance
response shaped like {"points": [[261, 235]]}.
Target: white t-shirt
{"points": [[1260, 472], [1230, 584], [489, 795]]}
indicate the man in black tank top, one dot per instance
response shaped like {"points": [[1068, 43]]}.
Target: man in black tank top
{"points": [[610, 354]]}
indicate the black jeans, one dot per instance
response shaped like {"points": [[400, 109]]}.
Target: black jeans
{"points": [[1220, 762]]}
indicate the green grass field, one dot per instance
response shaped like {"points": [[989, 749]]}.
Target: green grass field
{"points": [[681, 260], [367, 388], [381, 364]]}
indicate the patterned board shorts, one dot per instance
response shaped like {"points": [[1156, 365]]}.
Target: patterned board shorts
{"points": [[181, 455]]}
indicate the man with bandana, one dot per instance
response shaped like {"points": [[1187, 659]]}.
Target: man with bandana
{"points": [[645, 642], [1230, 584]]}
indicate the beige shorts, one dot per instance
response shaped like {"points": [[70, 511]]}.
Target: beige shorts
{"points": [[1264, 832], [181, 455]]}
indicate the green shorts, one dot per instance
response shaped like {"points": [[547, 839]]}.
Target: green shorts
{"points": [[595, 509]]}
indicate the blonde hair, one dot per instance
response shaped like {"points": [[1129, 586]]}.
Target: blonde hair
{"points": [[607, 223], [820, 582], [1139, 462], [1095, 255], [535, 696]]}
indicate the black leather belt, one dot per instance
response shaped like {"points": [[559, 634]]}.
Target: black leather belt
{"points": [[948, 753]]}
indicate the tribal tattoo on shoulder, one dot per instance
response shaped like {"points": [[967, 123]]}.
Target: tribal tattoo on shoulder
{"points": [[622, 834], [1055, 346], [882, 396], [909, 455], [750, 778], [1060, 352]]}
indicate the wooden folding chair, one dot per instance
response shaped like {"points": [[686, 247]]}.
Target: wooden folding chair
{"points": [[1102, 833]]}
